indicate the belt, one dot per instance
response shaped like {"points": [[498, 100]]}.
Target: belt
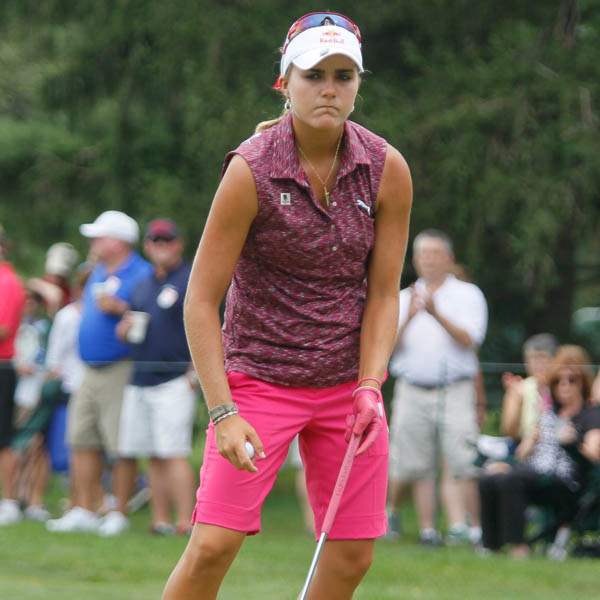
{"points": [[99, 365], [435, 386]]}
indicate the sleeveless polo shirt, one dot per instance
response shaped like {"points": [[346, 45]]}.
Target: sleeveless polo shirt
{"points": [[294, 307]]}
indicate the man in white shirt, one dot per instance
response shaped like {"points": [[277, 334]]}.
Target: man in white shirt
{"points": [[442, 323]]}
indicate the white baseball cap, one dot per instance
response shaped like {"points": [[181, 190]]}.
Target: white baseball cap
{"points": [[113, 224], [61, 259], [311, 46]]}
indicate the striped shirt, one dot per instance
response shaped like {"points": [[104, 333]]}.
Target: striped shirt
{"points": [[294, 307]]}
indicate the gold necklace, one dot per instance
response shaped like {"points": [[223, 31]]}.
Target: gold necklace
{"points": [[324, 183]]}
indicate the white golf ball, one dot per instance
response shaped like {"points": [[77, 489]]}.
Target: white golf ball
{"points": [[249, 449]]}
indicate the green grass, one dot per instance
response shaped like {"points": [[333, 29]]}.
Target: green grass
{"points": [[36, 565]]}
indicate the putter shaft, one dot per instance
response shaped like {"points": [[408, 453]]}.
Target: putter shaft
{"points": [[313, 566], [334, 503]]}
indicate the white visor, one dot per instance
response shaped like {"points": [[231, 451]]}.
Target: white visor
{"points": [[317, 43]]}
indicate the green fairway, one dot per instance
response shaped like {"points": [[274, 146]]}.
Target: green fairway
{"points": [[37, 565]]}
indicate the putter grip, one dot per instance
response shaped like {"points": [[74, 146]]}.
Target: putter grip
{"points": [[340, 484]]}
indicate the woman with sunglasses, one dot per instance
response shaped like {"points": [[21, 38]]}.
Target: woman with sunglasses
{"points": [[308, 229], [546, 474]]}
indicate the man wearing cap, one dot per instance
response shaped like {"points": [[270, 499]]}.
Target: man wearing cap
{"points": [[12, 294], [95, 409], [159, 405]]}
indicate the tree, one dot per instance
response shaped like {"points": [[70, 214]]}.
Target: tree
{"points": [[133, 105]]}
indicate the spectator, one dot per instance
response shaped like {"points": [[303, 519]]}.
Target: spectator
{"points": [[442, 323], [39, 397], [33, 407], [159, 406], [64, 364], [522, 404], [55, 286], [596, 390], [450, 488], [546, 475], [30, 353], [62, 357], [95, 408], [11, 309]]}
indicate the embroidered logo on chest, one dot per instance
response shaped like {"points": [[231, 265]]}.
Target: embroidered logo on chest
{"points": [[285, 199], [363, 206]]}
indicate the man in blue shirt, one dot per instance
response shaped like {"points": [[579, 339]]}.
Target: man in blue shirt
{"points": [[95, 409], [159, 405]]}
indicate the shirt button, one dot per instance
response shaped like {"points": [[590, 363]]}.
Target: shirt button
{"points": [[334, 248], [334, 204], [332, 227]]}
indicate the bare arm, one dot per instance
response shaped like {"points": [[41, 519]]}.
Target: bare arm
{"points": [[112, 305], [590, 447], [527, 445], [512, 407], [378, 333], [596, 390], [459, 334], [234, 208]]}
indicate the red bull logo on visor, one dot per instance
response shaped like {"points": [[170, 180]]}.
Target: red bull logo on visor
{"points": [[331, 37]]}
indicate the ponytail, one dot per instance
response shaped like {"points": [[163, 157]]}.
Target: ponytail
{"points": [[264, 125]]}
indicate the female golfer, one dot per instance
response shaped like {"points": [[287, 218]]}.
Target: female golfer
{"points": [[308, 229]]}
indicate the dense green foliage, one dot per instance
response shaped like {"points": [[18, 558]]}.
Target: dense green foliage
{"points": [[132, 105]]}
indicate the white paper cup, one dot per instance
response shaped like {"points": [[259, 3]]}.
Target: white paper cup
{"points": [[139, 325], [98, 289]]}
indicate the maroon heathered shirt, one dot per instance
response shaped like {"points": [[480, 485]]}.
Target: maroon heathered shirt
{"points": [[294, 308]]}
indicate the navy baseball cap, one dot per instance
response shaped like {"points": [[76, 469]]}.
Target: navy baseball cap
{"points": [[162, 229]]}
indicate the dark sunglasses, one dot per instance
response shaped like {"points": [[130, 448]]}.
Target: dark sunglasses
{"points": [[161, 238], [571, 379], [319, 19]]}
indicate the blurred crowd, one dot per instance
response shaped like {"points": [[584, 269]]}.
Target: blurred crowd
{"points": [[547, 454], [95, 375]]}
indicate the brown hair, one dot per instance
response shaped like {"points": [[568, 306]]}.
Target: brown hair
{"points": [[575, 358]]}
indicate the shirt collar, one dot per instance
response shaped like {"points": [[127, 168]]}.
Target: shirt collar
{"points": [[449, 280], [286, 165], [103, 269], [169, 274]]}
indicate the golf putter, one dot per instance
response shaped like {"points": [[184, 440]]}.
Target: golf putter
{"points": [[334, 503]]}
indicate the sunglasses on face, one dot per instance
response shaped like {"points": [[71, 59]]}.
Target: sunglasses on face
{"points": [[570, 379], [161, 238], [319, 19]]}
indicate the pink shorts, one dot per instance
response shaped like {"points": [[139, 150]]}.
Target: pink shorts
{"points": [[233, 499]]}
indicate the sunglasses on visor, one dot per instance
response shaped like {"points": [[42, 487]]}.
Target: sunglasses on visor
{"points": [[319, 19]]}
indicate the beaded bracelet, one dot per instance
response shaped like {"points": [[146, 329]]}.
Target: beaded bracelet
{"points": [[222, 417], [222, 410]]}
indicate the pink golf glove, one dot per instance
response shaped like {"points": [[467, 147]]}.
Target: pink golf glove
{"points": [[366, 419]]}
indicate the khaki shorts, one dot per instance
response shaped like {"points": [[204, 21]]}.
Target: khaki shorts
{"points": [[95, 409], [416, 415]]}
